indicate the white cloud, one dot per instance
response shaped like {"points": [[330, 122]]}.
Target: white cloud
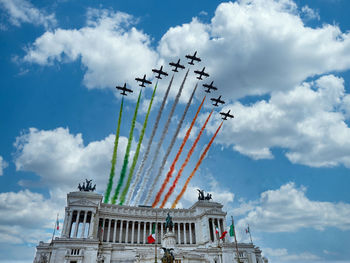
{"points": [[259, 46], [3, 165], [282, 254], [243, 47], [22, 11], [310, 13], [288, 209], [308, 121], [111, 50], [25, 215], [62, 160]]}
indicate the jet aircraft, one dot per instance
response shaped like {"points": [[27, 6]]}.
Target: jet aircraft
{"points": [[209, 87], [226, 115], [217, 101], [123, 89], [143, 81], [193, 58], [160, 72], [201, 73], [176, 65]]}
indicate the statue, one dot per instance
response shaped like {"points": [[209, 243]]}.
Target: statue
{"points": [[202, 197], [208, 197], [88, 187], [168, 256], [200, 194], [169, 222]]}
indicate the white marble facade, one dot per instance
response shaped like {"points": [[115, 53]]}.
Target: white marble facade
{"points": [[97, 232]]}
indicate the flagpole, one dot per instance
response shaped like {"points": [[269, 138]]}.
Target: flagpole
{"points": [[251, 241], [155, 247], [234, 234]]}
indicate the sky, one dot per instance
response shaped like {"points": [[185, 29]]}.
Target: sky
{"points": [[280, 165]]}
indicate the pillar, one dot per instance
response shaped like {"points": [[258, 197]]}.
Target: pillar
{"points": [[76, 224], [91, 226], [132, 231], [138, 232], [190, 228], [109, 230], [144, 232], [82, 235], [213, 227], [127, 232], [114, 231], [121, 231], [185, 233], [178, 234]]}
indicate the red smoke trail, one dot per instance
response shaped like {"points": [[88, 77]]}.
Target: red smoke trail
{"points": [[172, 167], [171, 190], [196, 168]]}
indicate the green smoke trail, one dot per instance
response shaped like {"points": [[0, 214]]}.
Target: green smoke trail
{"points": [[114, 157], [127, 153], [134, 161]]}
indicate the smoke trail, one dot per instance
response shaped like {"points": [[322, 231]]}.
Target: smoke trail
{"points": [[171, 189], [134, 161], [196, 168], [145, 156], [170, 147], [158, 147], [127, 153], [114, 157], [172, 167]]}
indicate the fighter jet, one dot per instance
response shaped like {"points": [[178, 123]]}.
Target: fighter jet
{"points": [[143, 81], [201, 73], [193, 58], [218, 100], [176, 65], [209, 87], [226, 115], [124, 89], [160, 72]]}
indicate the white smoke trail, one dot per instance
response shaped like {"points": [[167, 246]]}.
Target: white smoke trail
{"points": [[171, 145], [160, 142], [145, 156]]}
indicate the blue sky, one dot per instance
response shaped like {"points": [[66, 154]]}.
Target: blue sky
{"points": [[280, 165]]}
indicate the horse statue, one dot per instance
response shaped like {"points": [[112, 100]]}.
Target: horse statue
{"points": [[200, 194], [168, 256], [169, 222]]}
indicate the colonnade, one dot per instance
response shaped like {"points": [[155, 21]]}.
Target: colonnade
{"points": [[136, 232], [78, 224], [213, 223]]}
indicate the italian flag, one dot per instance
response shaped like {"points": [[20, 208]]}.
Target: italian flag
{"points": [[152, 237], [216, 230], [223, 235], [232, 230]]}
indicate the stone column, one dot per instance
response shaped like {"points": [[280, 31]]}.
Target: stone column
{"points": [[190, 228], [127, 232], [178, 234], [64, 227], [185, 237], [132, 232], [121, 231], [109, 230], [103, 229], [76, 224], [161, 230], [138, 232], [115, 231], [144, 232], [68, 224], [91, 226], [84, 223], [213, 227]]}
